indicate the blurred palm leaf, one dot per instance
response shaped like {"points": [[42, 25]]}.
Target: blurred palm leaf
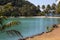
{"points": [[8, 25], [2, 18], [13, 32]]}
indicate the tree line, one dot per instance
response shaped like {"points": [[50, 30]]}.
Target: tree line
{"points": [[25, 8]]}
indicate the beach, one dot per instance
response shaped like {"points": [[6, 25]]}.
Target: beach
{"points": [[39, 17], [54, 35]]}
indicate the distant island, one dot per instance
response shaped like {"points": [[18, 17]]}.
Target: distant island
{"points": [[19, 8]]}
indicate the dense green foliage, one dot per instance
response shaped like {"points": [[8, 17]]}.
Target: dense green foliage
{"points": [[18, 8], [58, 8], [25, 8]]}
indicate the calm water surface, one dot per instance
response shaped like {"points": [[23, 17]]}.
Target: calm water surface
{"points": [[29, 26]]}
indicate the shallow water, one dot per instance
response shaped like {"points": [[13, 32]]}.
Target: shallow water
{"points": [[29, 26]]}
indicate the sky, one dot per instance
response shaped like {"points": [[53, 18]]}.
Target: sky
{"points": [[42, 2]]}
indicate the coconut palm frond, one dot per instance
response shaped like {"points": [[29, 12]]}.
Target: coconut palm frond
{"points": [[10, 24], [13, 32], [1, 21], [0, 28], [2, 18]]}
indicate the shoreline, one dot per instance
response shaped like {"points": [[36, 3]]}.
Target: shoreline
{"points": [[53, 35], [33, 36], [32, 17], [35, 17], [41, 34]]}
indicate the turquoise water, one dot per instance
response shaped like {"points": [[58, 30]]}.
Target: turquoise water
{"points": [[29, 26]]}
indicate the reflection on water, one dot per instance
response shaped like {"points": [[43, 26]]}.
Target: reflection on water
{"points": [[29, 26]]}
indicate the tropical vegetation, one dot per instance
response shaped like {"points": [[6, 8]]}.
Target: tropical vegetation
{"points": [[11, 32], [25, 8]]}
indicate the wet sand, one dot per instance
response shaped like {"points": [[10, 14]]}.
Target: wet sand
{"points": [[54, 35]]}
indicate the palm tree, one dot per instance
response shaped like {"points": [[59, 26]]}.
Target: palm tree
{"points": [[8, 25], [58, 8], [43, 12], [43, 7], [38, 7], [48, 8], [53, 6]]}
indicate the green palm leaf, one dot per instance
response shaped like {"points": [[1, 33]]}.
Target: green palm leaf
{"points": [[13, 32], [2, 18], [10, 24]]}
